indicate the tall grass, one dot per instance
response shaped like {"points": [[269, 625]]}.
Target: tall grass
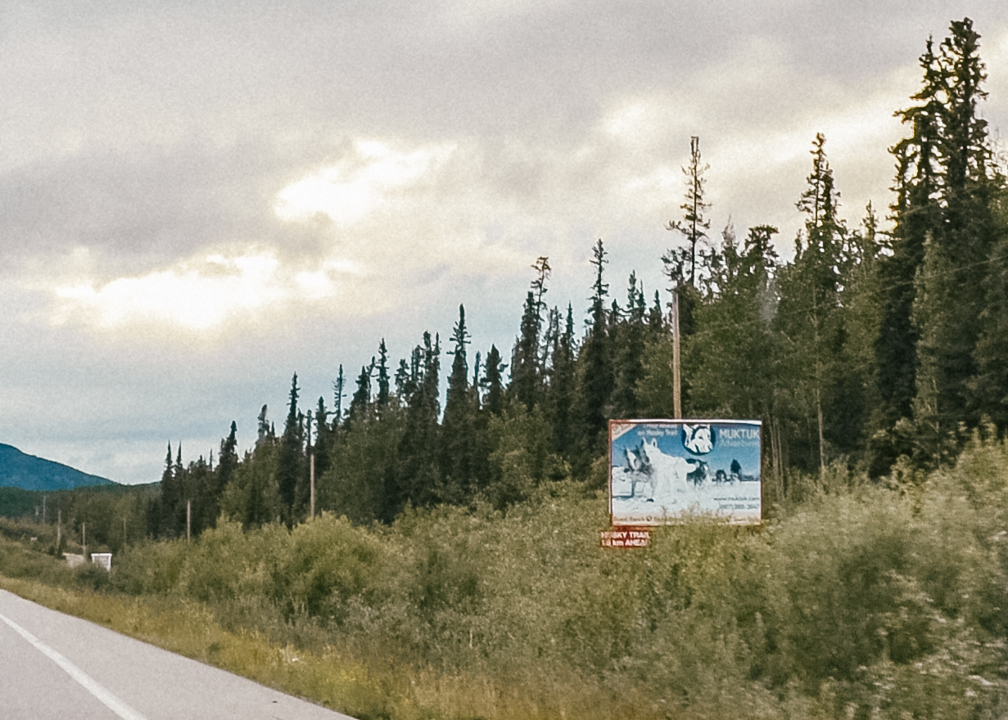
{"points": [[862, 601]]}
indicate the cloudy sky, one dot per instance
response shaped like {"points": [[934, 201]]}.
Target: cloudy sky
{"points": [[199, 199]]}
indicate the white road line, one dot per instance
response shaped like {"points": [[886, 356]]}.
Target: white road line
{"points": [[108, 699]]}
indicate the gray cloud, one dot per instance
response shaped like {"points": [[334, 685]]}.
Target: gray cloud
{"points": [[151, 133]]}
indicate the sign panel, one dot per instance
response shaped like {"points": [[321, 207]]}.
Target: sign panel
{"points": [[624, 537], [663, 471]]}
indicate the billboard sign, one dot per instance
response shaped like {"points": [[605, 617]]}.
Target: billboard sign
{"points": [[663, 471]]}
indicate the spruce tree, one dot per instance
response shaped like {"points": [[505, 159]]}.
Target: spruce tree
{"points": [[694, 223], [969, 229], [810, 298], [360, 403], [169, 498], [629, 353], [525, 371], [917, 216], [493, 400], [290, 457], [562, 386], [218, 480], [322, 446], [457, 441], [415, 478], [596, 371], [339, 392], [382, 399], [953, 295]]}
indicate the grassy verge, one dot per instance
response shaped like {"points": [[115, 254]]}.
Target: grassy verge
{"points": [[366, 689], [190, 629]]}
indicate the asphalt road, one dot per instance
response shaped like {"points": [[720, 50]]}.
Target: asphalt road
{"points": [[57, 666]]}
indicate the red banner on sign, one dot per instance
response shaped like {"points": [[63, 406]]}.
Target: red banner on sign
{"points": [[625, 537]]}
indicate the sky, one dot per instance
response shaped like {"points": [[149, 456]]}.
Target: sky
{"points": [[198, 200]]}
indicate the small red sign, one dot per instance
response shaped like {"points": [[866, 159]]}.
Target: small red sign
{"points": [[625, 537]]}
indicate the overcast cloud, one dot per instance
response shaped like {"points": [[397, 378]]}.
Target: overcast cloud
{"points": [[197, 201]]}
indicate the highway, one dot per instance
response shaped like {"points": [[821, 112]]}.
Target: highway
{"points": [[53, 665]]}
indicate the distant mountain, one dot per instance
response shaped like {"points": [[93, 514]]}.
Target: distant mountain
{"points": [[33, 473]]}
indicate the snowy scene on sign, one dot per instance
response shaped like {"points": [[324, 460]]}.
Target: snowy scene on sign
{"points": [[663, 471]]}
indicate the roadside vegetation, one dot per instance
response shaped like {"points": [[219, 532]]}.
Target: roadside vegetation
{"points": [[864, 600]]}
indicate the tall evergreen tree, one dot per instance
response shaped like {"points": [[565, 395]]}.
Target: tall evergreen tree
{"points": [[382, 399], [360, 404], [416, 478], [227, 461], [217, 480], [169, 497], [322, 447], [596, 367], [629, 352], [526, 359], [563, 389], [493, 400], [339, 392], [916, 214], [525, 371], [694, 223], [457, 441], [290, 456], [810, 297], [960, 252]]}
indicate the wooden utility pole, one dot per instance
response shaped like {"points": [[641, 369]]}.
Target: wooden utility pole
{"points": [[59, 530], [188, 520], [83, 528], [676, 380], [311, 483]]}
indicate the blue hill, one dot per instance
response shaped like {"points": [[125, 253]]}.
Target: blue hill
{"points": [[33, 473]]}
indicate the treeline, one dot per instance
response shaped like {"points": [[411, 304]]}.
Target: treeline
{"points": [[107, 517], [869, 347]]}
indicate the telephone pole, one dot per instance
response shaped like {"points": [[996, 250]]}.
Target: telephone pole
{"points": [[676, 379]]}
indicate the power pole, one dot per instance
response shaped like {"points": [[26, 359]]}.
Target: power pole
{"points": [[188, 520], [84, 540], [311, 482], [59, 530], [676, 379]]}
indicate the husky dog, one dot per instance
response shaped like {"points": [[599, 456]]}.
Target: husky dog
{"points": [[636, 467], [699, 473], [667, 472], [632, 462], [698, 439]]}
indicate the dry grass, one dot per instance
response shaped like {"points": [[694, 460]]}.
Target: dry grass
{"points": [[375, 688]]}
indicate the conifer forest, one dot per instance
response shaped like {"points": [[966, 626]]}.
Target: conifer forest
{"points": [[884, 340]]}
